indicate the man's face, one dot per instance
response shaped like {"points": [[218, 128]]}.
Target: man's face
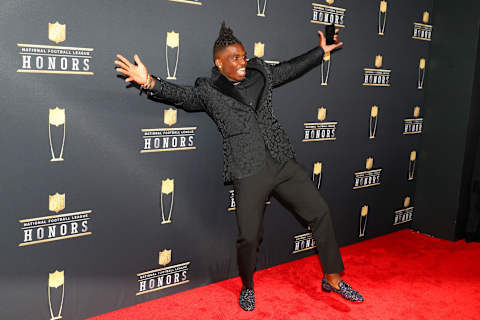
{"points": [[231, 62]]}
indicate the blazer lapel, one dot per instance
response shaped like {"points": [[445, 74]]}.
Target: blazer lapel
{"points": [[263, 95], [226, 87]]}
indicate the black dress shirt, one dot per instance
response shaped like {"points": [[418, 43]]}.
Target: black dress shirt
{"points": [[251, 87]]}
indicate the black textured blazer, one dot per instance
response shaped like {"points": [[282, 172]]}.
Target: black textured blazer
{"points": [[246, 131]]}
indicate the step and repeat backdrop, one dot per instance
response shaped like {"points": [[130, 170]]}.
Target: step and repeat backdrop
{"points": [[110, 199]]}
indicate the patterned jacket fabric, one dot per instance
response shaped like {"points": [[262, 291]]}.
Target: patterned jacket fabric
{"points": [[247, 132]]}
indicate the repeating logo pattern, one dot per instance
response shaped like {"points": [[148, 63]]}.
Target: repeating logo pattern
{"points": [[303, 242], [382, 17], [326, 14], [421, 72], [53, 59], [363, 220], [56, 280], [165, 277], [172, 41], [168, 139], [405, 214], [58, 57], [373, 122], [56, 118], [320, 131], [55, 227], [423, 31], [377, 77], [413, 125], [369, 178]]}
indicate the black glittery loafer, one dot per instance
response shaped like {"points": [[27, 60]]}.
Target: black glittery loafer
{"points": [[247, 299], [345, 290]]}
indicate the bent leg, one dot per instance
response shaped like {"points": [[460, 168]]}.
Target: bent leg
{"points": [[297, 189]]}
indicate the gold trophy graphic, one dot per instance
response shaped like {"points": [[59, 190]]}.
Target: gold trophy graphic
{"points": [[173, 41], [411, 164], [55, 280], [363, 220], [167, 188], [261, 13], [421, 72], [382, 12], [325, 69], [373, 121], [317, 172], [56, 32], [56, 117]]}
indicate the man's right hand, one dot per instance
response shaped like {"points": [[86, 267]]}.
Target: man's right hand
{"points": [[137, 73]]}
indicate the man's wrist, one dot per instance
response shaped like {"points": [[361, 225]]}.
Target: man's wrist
{"points": [[148, 83]]}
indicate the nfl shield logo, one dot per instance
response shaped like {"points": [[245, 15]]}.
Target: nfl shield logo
{"points": [[378, 61], [56, 32], [259, 50], [164, 257], [170, 117], [322, 114], [56, 203]]}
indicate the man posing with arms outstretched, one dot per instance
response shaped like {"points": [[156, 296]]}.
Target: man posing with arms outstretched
{"points": [[258, 157]]}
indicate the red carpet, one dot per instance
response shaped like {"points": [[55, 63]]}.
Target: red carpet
{"points": [[403, 275]]}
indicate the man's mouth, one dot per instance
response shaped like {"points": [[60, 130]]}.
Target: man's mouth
{"points": [[241, 72]]}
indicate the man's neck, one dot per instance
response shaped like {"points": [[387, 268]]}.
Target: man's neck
{"points": [[234, 82]]}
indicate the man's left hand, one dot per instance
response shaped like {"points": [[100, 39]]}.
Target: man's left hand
{"points": [[323, 42]]}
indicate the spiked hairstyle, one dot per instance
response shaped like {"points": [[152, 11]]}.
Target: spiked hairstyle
{"points": [[225, 39]]}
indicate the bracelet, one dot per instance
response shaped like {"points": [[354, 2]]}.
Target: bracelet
{"points": [[146, 85]]}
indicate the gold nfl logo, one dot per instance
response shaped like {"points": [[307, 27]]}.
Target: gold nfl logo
{"points": [[170, 117], [164, 257], [259, 49], [56, 32], [56, 202]]}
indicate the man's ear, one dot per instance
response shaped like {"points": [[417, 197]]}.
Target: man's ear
{"points": [[218, 63]]}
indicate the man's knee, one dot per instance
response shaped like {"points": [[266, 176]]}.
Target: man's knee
{"points": [[248, 239], [318, 214]]}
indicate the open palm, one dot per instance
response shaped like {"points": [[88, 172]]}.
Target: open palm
{"points": [[137, 73]]}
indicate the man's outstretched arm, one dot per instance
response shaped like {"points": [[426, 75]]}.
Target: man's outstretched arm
{"points": [[294, 68], [184, 97]]}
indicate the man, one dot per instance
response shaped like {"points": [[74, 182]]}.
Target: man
{"points": [[258, 157]]}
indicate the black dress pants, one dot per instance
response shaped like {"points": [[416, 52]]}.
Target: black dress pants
{"points": [[291, 183]]}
